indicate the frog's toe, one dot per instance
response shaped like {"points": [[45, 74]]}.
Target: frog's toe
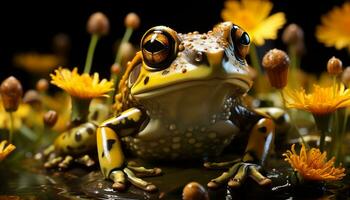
{"points": [[144, 172], [85, 160], [67, 161], [54, 162], [258, 177], [138, 182], [221, 165], [237, 174], [118, 178]]}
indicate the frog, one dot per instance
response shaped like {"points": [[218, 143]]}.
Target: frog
{"points": [[77, 144], [180, 99]]}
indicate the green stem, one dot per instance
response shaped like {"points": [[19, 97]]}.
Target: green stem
{"points": [[118, 60], [90, 53], [322, 123], [291, 119], [254, 58], [12, 127], [294, 62], [125, 39], [80, 110]]}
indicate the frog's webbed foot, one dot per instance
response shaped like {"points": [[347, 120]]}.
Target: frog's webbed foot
{"points": [[65, 162], [237, 174], [132, 173]]}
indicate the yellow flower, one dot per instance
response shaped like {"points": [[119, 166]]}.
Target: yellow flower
{"points": [[5, 151], [36, 63], [81, 86], [19, 116], [253, 16], [312, 165], [335, 27], [322, 101]]}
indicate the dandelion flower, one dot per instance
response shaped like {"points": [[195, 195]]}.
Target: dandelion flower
{"points": [[81, 86], [335, 28], [253, 16], [312, 165], [5, 151], [37, 63], [320, 101]]}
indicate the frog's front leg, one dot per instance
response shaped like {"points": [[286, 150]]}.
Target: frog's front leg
{"points": [[258, 146], [110, 153]]}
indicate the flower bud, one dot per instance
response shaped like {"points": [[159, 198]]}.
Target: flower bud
{"points": [[61, 43], [346, 76], [115, 69], [32, 97], [11, 93], [132, 20], [276, 64], [50, 118], [98, 24], [194, 191], [42, 85], [334, 66], [293, 34]]}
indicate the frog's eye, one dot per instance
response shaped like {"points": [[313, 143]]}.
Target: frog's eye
{"points": [[159, 47], [240, 40]]}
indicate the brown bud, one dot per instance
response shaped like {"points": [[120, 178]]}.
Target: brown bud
{"points": [[50, 118], [32, 97], [115, 69], [11, 93], [334, 66], [98, 24], [132, 20], [42, 85], [194, 191], [346, 76], [276, 63], [293, 34], [127, 52]]}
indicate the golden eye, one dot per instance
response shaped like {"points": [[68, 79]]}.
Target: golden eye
{"points": [[241, 41], [159, 46]]}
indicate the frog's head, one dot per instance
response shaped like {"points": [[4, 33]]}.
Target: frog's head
{"points": [[170, 61]]}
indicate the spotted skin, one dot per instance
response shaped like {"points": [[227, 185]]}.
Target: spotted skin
{"points": [[110, 152], [78, 140], [180, 99]]}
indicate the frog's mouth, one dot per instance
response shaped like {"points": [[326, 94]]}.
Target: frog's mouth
{"points": [[239, 86]]}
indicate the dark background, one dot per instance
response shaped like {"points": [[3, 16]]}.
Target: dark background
{"points": [[31, 25]]}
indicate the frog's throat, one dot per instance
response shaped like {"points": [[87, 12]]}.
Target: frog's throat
{"points": [[239, 85]]}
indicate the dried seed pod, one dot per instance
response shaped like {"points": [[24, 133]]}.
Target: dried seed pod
{"points": [[334, 66], [132, 20], [98, 24], [50, 118], [32, 97], [293, 34], [276, 64], [42, 85], [11, 93], [194, 191]]}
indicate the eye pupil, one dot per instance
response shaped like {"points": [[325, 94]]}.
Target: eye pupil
{"points": [[154, 46], [245, 40]]}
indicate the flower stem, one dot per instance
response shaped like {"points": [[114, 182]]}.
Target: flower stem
{"points": [[80, 110], [118, 59], [291, 119], [254, 58], [294, 62], [12, 127], [322, 123], [90, 53]]}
